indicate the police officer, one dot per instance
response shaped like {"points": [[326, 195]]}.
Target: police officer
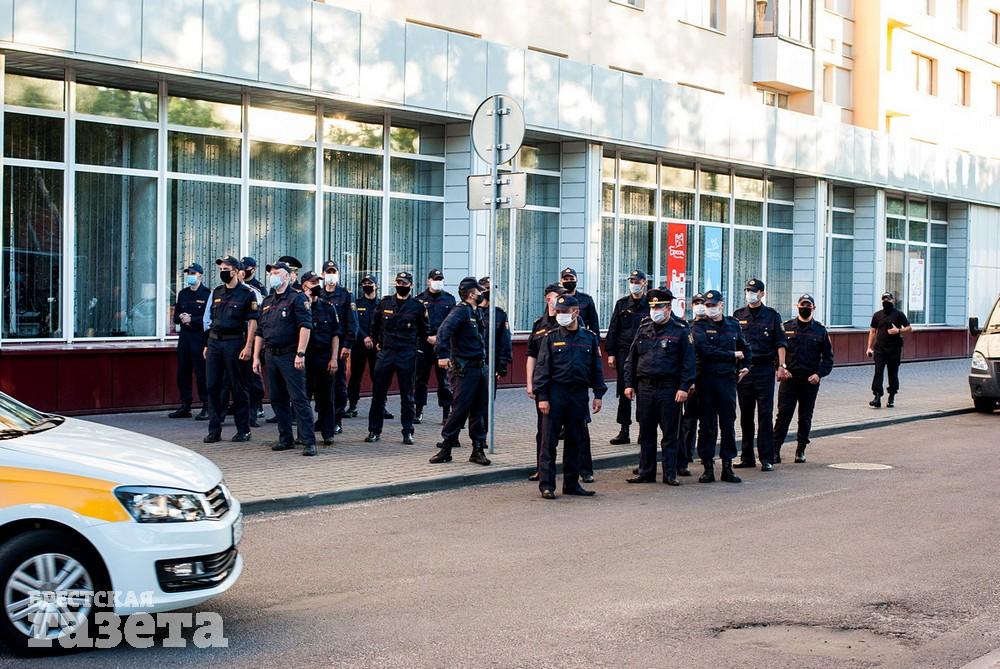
{"points": [[504, 343], [568, 366], [189, 311], [541, 327], [628, 313], [343, 302], [323, 354], [363, 352], [438, 303], [763, 333], [398, 327], [885, 346], [285, 326], [254, 382], [250, 274], [295, 265], [588, 311], [721, 349], [689, 422], [659, 367], [233, 325], [809, 359], [461, 348]]}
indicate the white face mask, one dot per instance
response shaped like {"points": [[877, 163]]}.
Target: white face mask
{"points": [[635, 288], [752, 297], [564, 319], [713, 312], [437, 286], [331, 279], [698, 309], [658, 315]]}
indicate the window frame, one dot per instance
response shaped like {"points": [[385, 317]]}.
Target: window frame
{"points": [[926, 244], [919, 59]]}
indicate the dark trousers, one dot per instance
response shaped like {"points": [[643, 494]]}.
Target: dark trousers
{"points": [[254, 385], [471, 403], [340, 390], [658, 410], [756, 395], [223, 369], [568, 411], [886, 361], [718, 414], [361, 357], [687, 452], [320, 385], [426, 361], [403, 366], [539, 436], [624, 417], [191, 359], [794, 391], [288, 396]]}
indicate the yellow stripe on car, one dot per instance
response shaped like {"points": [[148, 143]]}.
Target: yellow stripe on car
{"points": [[80, 494]]}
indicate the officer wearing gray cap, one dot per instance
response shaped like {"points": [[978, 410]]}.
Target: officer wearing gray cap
{"points": [[629, 311], [189, 312]]}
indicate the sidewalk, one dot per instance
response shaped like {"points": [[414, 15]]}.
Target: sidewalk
{"points": [[352, 470]]}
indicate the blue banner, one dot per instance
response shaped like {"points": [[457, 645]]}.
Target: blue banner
{"points": [[712, 259]]}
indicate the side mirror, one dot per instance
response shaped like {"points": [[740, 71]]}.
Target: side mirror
{"points": [[974, 327]]}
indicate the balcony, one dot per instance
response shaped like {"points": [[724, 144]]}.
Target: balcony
{"points": [[782, 65]]}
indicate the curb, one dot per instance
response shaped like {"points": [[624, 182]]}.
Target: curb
{"points": [[519, 473]]}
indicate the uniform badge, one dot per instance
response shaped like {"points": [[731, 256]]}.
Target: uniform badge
{"points": [[308, 304], [253, 305]]}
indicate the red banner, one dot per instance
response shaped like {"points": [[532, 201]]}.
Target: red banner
{"points": [[677, 253]]}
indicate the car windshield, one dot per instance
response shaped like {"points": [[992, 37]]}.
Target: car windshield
{"points": [[17, 419], [994, 324]]}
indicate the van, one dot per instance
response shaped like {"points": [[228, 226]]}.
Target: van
{"points": [[984, 376]]}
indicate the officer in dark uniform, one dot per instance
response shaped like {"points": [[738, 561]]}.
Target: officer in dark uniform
{"points": [[189, 311], [504, 343], [250, 274], [438, 303], [568, 367], [763, 333], [628, 313], [461, 348], [363, 353], [689, 423], [398, 327], [343, 301], [233, 317], [295, 265], [721, 349], [588, 310], [541, 327], [659, 367], [254, 382], [285, 326], [885, 346], [323, 354], [809, 359]]}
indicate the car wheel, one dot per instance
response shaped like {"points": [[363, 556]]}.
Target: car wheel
{"points": [[984, 404], [38, 569]]}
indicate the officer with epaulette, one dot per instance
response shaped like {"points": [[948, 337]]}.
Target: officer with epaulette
{"points": [[189, 311], [658, 370], [254, 382], [363, 353], [295, 265], [323, 354], [461, 348], [504, 343], [721, 350], [342, 300], [250, 274], [233, 325], [438, 303], [285, 326], [569, 366], [689, 422], [763, 333], [628, 313], [588, 310], [541, 327], [809, 359], [398, 327]]}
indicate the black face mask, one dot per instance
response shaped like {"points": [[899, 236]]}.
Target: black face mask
{"points": [[315, 291], [887, 307], [480, 298], [570, 286], [369, 290], [225, 276], [402, 291], [248, 275], [805, 312], [484, 297]]}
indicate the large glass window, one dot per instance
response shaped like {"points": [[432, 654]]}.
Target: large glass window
{"points": [[840, 255], [353, 225], [416, 237], [281, 223], [917, 258]]}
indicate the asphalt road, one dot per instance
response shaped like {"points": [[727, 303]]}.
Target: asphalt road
{"points": [[807, 567]]}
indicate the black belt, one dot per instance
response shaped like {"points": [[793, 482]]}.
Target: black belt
{"points": [[281, 350], [224, 336], [662, 382]]}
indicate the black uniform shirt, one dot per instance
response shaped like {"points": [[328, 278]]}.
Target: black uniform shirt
{"points": [[192, 302], [716, 343], [341, 299], [505, 346], [588, 312], [541, 327], [568, 358], [438, 306], [326, 323], [462, 335], [763, 332], [809, 349], [399, 325], [281, 317], [254, 282], [232, 309], [364, 309], [881, 322], [625, 320], [661, 352]]}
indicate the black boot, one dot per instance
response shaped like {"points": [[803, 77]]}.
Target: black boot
{"points": [[728, 475], [418, 416], [408, 438], [709, 475], [373, 437], [445, 412], [621, 438], [746, 463], [203, 414], [479, 453], [877, 402], [892, 400], [444, 454], [184, 411], [777, 456], [352, 411], [800, 454]]}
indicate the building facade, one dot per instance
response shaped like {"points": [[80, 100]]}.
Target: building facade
{"points": [[704, 141]]}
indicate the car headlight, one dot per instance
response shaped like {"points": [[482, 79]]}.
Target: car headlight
{"points": [[979, 363], [162, 505]]}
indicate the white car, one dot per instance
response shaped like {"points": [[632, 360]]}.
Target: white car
{"points": [[86, 508]]}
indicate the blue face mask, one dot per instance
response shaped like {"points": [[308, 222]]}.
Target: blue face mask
{"points": [[276, 281], [191, 279]]}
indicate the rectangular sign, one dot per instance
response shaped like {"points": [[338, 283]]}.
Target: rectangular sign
{"points": [[513, 190], [677, 255], [712, 259], [915, 296]]}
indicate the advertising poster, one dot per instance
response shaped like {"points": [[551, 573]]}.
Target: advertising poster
{"points": [[677, 245], [712, 264], [915, 296]]}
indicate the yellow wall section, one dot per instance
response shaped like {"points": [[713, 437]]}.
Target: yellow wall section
{"points": [[86, 496]]}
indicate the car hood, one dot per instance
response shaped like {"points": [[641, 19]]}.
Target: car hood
{"points": [[82, 448]]}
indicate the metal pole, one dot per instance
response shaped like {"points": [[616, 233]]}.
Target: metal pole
{"points": [[492, 240]]}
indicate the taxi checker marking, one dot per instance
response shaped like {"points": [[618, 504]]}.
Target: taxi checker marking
{"points": [[83, 495]]}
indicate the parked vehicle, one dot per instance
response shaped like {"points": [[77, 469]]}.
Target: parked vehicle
{"points": [[984, 376]]}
